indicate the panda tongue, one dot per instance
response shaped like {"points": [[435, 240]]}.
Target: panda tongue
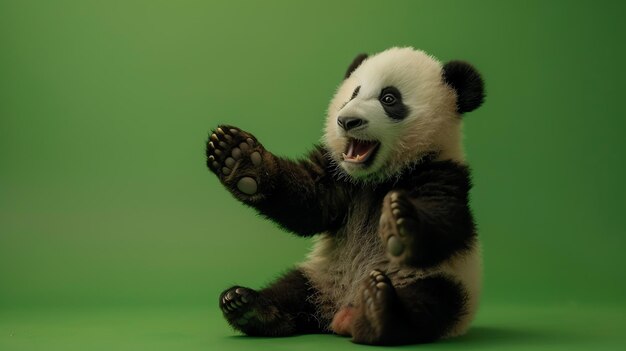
{"points": [[361, 147]]}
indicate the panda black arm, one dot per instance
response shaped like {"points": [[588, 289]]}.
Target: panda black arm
{"points": [[300, 196], [436, 219]]}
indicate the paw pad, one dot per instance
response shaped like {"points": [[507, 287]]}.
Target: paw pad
{"points": [[234, 299], [247, 185], [397, 222], [376, 293], [232, 153], [395, 246], [255, 157]]}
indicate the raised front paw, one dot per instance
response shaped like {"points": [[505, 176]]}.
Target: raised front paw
{"points": [[237, 158], [397, 226]]}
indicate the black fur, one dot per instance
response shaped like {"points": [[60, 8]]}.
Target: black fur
{"points": [[306, 198], [467, 83], [420, 312], [293, 294], [355, 64], [398, 110], [432, 304], [281, 309], [303, 197], [443, 221]]}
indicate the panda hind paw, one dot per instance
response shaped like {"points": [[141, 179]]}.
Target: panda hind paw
{"points": [[239, 306], [397, 226], [375, 321]]}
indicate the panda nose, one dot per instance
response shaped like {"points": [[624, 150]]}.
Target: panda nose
{"points": [[348, 123]]}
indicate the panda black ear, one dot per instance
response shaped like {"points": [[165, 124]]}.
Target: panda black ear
{"points": [[355, 64], [467, 83]]}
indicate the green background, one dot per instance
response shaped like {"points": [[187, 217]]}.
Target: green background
{"points": [[113, 235]]}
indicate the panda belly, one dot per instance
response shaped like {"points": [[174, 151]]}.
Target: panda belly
{"points": [[340, 261]]}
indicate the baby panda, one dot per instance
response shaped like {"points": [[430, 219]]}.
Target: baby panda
{"points": [[396, 258]]}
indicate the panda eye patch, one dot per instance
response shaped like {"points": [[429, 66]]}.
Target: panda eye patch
{"points": [[391, 100], [390, 96]]}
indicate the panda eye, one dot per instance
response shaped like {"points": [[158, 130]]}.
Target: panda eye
{"points": [[388, 99]]}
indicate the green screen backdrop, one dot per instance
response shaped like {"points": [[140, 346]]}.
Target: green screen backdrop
{"points": [[114, 236]]}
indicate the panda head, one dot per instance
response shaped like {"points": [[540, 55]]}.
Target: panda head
{"points": [[395, 108]]}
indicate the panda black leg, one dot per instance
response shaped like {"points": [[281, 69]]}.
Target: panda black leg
{"points": [[281, 309], [423, 229], [420, 312], [378, 319], [375, 312]]}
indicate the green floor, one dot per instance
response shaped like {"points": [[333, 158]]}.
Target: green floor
{"points": [[498, 327]]}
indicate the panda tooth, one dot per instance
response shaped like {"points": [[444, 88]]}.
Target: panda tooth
{"points": [[344, 156], [351, 149]]}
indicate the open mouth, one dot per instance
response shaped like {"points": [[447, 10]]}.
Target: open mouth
{"points": [[360, 151]]}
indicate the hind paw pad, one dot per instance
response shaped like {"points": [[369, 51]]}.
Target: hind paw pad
{"points": [[236, 300], [376, 292], [376, 308], [397, 223]]}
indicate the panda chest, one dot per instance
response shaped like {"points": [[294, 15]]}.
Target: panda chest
{"points": [[357, 248]]}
